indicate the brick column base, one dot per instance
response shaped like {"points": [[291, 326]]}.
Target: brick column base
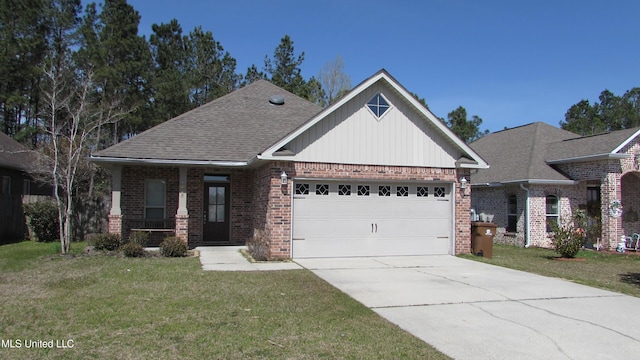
{"points": [[115, 224], [182, 227]]}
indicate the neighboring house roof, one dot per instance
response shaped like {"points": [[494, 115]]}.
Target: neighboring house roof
{"points": [[243, 126], [14, 155], [230, 129], [593, 147], [517, 154], [526, 154]]}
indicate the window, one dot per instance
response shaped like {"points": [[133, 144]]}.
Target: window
{"points": [[378, 105], [363, 190], [216, 203], [302, 189], [322, 189], [154, 199], [439, 191], [384, 190], [26, 187], [552, 211], [402, 191], [6, 185], [512, 214], [423, 191], [344, 190]]}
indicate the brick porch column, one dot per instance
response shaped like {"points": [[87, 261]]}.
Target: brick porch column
{"points": [[182, 215], [115, 214], [611, 227]]}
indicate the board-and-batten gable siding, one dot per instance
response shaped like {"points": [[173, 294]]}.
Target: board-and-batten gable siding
{"points": [[353, 135]]}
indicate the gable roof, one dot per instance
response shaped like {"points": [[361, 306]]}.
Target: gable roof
{"points": [[14, 155], [518, 155], [526, 154], [469, 158], [230, 130], [243, 126]]}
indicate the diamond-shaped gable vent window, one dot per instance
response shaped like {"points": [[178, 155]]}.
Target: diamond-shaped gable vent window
{"points": [[378, 105]]}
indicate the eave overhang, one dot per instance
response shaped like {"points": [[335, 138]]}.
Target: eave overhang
{"points": [[595, 157]]}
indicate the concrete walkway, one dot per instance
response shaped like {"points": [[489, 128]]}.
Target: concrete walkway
{"points": [[229, 258], [471, 310]]}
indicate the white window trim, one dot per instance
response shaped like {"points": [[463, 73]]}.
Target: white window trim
{"points": [[509, 214], [371, 111]]}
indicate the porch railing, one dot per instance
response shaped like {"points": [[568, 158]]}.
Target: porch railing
{"points": [[151, 225]]}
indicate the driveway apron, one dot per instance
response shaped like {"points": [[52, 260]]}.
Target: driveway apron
{"points": [[471, 310]]}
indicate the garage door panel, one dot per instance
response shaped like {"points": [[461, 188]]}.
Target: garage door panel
{"points": [[333, 228], [332, 247], [332, 223]]}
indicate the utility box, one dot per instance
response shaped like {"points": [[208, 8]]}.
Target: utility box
{"points": [[482, 234]]}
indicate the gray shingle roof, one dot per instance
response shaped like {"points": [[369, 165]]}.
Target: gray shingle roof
{"points": [[14, 155], [235, 127], [517, 154], [580, 147], [524, 153]]}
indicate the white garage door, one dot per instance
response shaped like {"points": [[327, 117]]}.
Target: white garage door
{"points": [[338, 218]]}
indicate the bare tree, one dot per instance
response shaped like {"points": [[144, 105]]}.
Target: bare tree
{"points": [[335, 81], [70, 126]]}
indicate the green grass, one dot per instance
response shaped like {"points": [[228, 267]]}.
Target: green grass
{"points": [[113, 307], [611, 271]]}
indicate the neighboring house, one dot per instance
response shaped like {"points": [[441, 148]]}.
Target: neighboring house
{"points": [[15, 167], [540, 173], [375, 173]]}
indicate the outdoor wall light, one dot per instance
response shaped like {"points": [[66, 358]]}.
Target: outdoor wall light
{"points": [[463, 183], [283, 178]]}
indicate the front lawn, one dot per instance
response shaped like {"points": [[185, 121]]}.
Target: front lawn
{"points": [[168, 308], [611, 271]]}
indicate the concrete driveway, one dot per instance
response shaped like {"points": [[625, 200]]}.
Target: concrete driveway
{"points": [[471, 310]]}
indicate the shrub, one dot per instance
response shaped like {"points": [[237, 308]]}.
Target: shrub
{"points": [[44, 222], [173, 246], [258, 247], [139, 237], [132, 249], [107, 242], [568, 238]]}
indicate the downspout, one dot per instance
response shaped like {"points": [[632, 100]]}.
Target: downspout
{"points": [[527, 239]]}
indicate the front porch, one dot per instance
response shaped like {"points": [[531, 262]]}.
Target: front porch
{"points": [[170, 201]]}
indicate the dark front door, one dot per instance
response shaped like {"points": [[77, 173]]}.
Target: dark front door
{"points": [[216, 212]]}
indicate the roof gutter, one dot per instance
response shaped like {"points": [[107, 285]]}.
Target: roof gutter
{"points": [[136, 161], [604, 156], [526, 181]]}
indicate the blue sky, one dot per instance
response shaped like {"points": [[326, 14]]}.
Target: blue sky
{"points": [[510, 62]]}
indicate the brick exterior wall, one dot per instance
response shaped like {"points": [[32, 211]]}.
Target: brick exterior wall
{"points": [[272, 213], [619, 179], [260, 202]]}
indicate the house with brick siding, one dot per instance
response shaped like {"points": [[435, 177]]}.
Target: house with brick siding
{"points": [[16, 180], [541, 174], [375, 173]]}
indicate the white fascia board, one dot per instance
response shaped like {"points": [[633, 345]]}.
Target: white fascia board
{"points": [[540, 182], [624, 143], [268, 154], [474, 166], [605, 156], [442, 127], [134, 161]]}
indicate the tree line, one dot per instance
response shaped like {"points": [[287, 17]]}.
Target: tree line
{"points": [[611, 113]]}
